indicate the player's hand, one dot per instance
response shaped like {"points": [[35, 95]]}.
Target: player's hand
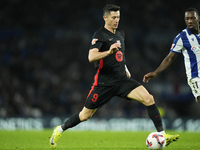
{"points": [[113, 48], [149, 76]]}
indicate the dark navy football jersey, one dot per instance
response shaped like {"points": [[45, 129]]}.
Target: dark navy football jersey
{"points": [[110, 69]]}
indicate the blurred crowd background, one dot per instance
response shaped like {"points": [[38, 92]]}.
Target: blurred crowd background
{"points": [[44, 70]]}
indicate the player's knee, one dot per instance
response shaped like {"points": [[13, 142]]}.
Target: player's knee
{"points": [[149, 100], [85, 117]]}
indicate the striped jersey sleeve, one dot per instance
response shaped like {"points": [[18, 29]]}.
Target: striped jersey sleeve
{"points": [[189, 45], [177, 44]]}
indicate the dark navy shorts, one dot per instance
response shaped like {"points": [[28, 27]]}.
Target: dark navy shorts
{"points": [[100, 95]]}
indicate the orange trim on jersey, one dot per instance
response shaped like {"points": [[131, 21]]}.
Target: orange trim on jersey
{"points": [[96, 77]]}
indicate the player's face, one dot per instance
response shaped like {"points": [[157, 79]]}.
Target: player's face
{"points": [[112, 20], [192, 21]]}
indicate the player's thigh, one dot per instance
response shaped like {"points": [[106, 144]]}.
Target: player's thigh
{"points": [[141, 95], [99, 96], [86, 113]]}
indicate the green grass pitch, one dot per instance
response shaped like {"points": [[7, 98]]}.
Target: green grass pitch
{"points": [[91, 140]]}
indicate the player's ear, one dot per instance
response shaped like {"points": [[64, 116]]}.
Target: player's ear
{"points": [[104, 17]]}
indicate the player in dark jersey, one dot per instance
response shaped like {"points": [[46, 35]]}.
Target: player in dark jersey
{"points": [[112, 77]]}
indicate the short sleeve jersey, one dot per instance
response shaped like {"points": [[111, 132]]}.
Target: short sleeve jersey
{"points": [[110, 69], [189, 45]]}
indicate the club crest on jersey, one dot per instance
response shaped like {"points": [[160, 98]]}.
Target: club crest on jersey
{"points": [[118, 41], [94, 41]]}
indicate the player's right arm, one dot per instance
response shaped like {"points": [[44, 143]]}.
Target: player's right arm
{"points": [[165, 64], [96, 55]]}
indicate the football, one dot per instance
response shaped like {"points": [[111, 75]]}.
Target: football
{"points": [[156, 140]]}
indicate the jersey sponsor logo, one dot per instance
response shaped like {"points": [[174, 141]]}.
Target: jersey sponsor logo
{"points": [[94, 41], [119, 56], [194, 48], [172, 46]]}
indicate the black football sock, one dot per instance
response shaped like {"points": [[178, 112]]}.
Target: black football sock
{"points": [[71, 122], [154, 114]]}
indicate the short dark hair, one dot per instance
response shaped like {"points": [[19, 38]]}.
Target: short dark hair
{"points": [[110, 7], [192, 9]]}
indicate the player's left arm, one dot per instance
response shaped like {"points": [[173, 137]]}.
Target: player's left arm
{"points": [[127, 72]]}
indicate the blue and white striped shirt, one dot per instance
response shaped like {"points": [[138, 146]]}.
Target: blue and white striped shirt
{"points": [[189, 45]]}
